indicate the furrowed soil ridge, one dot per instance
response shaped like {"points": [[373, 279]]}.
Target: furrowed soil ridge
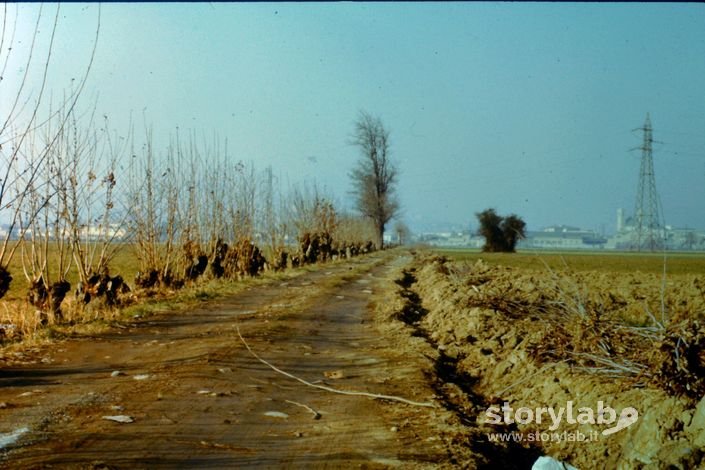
{"points": [[455, 391], [493, 322]]}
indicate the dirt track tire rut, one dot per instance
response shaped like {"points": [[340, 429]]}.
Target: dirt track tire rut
{"points": [[203, 401]]}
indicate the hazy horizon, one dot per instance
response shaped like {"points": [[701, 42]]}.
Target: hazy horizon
{"points": [[527, 108]]}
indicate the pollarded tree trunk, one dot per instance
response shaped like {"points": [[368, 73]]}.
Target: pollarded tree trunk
{"points": [[380, 236], [48, 299], [5, 280]]}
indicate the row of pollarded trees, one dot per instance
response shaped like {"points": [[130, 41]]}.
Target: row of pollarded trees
{"points": [[195, 211], [189, 211], [194, 207], [71, 189], [69, 216]]}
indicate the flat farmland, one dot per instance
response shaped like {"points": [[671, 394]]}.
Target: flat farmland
{"points": [[616, 261]]}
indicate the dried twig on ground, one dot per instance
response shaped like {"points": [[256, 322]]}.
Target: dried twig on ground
{"points": [[329, 389], [613, 367], [316, 414]]}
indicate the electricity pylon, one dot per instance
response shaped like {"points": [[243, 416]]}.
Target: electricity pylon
{"points": [[648, 231]]}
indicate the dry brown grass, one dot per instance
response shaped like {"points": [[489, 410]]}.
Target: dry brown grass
{"points": [[636, 326], [19, 321]]}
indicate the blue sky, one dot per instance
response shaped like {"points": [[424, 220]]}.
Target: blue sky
{"points": [[528, 108]]}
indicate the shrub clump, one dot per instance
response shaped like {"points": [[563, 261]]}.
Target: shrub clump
{"points": [[501, 233]]}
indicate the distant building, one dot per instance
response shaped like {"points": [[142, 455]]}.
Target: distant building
{"points": [[448, 239], [116, 232], [620, 220], [563, 237], [676, 239]]}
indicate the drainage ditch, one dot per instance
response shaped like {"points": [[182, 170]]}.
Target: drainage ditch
{"points": [[455, 390]]}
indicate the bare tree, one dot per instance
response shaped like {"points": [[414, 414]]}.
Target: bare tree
{"points": [[270, 228], [375, 177], [21, 118], [96, 215], [155, 218], [47, 227], [243, 205], [215, 186], [308, 209], [353, 229], [401, 230]]}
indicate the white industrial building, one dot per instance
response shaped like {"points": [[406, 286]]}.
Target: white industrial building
{"points": [[677, 239], [116, 232], [563, 237]]}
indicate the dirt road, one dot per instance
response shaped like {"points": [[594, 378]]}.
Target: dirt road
{"points": [[198, 398]]}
